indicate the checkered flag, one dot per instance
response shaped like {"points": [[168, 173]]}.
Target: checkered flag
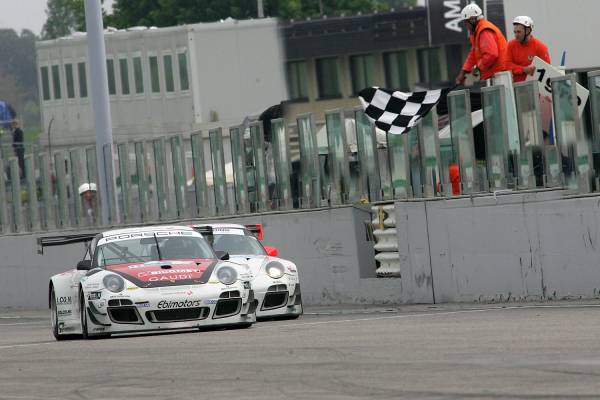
{"points": [[396, 112]]}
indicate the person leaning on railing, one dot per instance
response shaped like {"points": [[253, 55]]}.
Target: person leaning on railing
{"points": [[18, 146], [488, 46], [523, 48]]}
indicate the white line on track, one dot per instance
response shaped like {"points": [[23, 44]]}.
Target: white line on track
{"points": [[12, 346], [25, 323]]}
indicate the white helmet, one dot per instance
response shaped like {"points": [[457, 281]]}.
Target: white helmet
{"points": [[524, 20], [85, 187], [471, 10]]}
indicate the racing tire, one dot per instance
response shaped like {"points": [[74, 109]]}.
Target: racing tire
{"points": [[84, 321], [83, 316], [54, 318]]}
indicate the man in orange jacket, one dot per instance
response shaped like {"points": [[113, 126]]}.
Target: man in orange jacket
{"points": [[523, 48], [488, 46]]}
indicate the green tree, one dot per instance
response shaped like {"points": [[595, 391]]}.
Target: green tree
{"points": [[127, 13], [63, 18]]}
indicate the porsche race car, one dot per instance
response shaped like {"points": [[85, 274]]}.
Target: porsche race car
{"points": [[275, 280], [147, 279]]}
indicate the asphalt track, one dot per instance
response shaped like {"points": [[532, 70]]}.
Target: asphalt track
{"points": [[512, 351]]}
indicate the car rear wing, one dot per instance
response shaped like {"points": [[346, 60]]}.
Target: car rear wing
{"points": [[256, 229], [206, 231], [61, 240]]}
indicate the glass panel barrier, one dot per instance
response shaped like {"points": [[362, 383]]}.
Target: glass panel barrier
{"points": [[430, 153], [160, 179], [238, 160], [339, 170], [594, 88], [496, 137], [61, 189], [92, 177], [124, 182], [310, 179], [461, 127], [113, 212], [366, 142], [15, 184], [33, 220], [142, 181], [504, 78], [202, 206], [574, 148], [398, 151], [47, 214], [179, 183], [283, 168], [532, 171], [4, 224], [415, 162], [260, 167], [75, 167], [218, 170]]}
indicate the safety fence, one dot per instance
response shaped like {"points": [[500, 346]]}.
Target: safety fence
{"points": [[240, 170]]}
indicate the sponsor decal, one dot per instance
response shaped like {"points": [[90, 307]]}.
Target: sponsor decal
{"points": [[166, 272], [229, 231], [92, 286], [65, 313], [291, 269], [165, 304], [139, 235], [62, 328], [64, 300], [132, 288], [98, 329], [94, 295], [210, 301], [143, 304]]}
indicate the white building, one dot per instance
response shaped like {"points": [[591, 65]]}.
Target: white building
{"points": [[163, 81]]}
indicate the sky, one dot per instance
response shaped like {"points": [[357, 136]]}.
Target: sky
{"points": [[26, 14]]}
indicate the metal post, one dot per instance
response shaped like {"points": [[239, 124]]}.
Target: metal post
{"points": [[100, 100]]}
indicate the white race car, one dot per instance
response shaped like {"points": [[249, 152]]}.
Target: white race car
{"points": [[275, 280], [147, 279]]}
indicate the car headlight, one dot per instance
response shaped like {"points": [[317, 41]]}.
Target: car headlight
{"points": [[275, 269], [227, 275], [114, 283]]}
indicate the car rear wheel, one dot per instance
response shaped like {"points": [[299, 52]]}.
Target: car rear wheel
{"points": [[83, 315]]}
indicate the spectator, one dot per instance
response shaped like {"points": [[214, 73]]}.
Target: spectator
{"points": [[89, 202], [488, 46], [523, 48], [18, 146]]}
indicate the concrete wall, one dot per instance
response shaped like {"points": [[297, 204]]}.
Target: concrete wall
{"points": [[514, 247]]}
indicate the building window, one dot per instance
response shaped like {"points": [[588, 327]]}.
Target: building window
{"points": [[184, 82], [138, 75], [45, 83], [396, 71], [430, 70], [110, 73], [362, 71], [70, 81], [327, 78], [168, 67], [82, 80], [154, 78], [56, 82], [124, 69], [297, 86]]}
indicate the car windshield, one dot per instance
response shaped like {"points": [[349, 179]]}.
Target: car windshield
{"points": [[238, 245], [145, 249]]}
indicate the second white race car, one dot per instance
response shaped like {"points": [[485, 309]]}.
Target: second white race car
{"points": [[275, 280]]}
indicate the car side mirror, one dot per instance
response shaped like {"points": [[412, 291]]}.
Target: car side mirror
{"points": [[84, 265], [222, 255], [272, 251]]}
